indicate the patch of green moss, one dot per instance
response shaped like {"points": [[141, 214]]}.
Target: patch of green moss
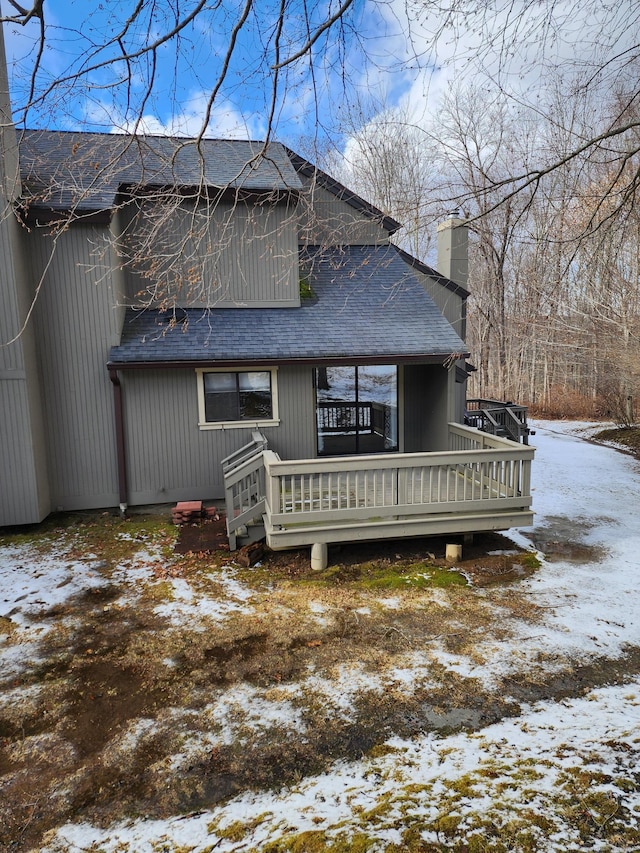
{"points": [[237, 830], [418, 577], [464, 786], [529, 561], [380, 750], [378, 812], [447, 825], [306, 291], [373, 576], [315, 841], [161, 591]]}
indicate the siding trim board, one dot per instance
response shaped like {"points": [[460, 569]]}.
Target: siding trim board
{"points": [[121, 454]]}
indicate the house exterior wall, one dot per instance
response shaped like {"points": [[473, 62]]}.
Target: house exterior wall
{"points": [[24, 488], [326, 220], [223, 254], [76, 323], [24, 496], [428, 407], [451, 304], [169, 458]]}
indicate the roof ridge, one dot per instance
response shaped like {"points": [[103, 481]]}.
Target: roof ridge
{"points": [[119, 134]]}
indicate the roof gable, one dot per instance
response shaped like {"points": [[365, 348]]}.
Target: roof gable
{"points": [[309, 170]]}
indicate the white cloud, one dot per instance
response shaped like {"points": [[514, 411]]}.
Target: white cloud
{"points": [[515, 44], [225, 122]]}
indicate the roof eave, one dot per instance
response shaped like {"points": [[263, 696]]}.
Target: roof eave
{"points": [[329, 361]]}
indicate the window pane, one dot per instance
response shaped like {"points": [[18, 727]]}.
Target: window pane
{"points": [[255, 404], [221, 407], [255, 381], [357, 409], [219, 382], [237, 396]]}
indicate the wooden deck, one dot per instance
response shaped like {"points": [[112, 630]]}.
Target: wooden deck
{"points": [[481, 483]]}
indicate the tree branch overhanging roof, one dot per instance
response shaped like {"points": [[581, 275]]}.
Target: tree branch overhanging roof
{"points": [[368, 305], [65, 170]]}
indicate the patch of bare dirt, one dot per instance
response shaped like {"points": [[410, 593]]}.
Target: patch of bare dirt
{"points": [[118, 693], [560, 539], [202, 536]]}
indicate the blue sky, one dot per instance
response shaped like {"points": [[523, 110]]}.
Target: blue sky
{"points": [[364, 59], [384, 54]]}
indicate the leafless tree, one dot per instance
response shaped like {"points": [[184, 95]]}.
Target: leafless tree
{"points": [[541, 152]]}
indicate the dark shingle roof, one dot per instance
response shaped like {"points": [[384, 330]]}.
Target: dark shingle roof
{"points": [[367, 304], [63, 170]]}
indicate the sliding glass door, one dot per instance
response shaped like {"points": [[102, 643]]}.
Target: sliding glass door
{"points": [[357, 409]]}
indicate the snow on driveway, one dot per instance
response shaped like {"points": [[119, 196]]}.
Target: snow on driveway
{"points": [[591, 494]]}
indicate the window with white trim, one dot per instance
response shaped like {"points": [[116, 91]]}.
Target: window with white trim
{"points": [[239, 398]]}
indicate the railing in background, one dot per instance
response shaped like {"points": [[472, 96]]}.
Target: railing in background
{"points": [[498, 418], [336, 416]]}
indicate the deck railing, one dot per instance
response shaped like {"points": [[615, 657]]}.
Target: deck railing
{"points": [[498, 418], [482, 483], [244, 486]]}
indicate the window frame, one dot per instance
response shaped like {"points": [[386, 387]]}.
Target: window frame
{"points": [[244, 423]]}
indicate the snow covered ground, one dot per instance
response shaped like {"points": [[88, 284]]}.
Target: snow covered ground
{"points": [[526, 772]]}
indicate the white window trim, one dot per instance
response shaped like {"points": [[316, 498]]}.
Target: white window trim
{"points": [[244, 424]]}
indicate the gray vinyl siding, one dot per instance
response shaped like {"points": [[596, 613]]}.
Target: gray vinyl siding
{"points": [[118, 279], [169, 458], [24, 495], [76, 324], [224, 255], [325, 220], [23, 500], [452, 305], [460, 401], [428, 407]]}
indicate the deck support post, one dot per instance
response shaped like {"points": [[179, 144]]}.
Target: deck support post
{"points": [[453, 552], [319, 556]]}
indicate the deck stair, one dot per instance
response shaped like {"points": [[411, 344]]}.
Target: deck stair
{"points": [[244, 491], [506, 420]]}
